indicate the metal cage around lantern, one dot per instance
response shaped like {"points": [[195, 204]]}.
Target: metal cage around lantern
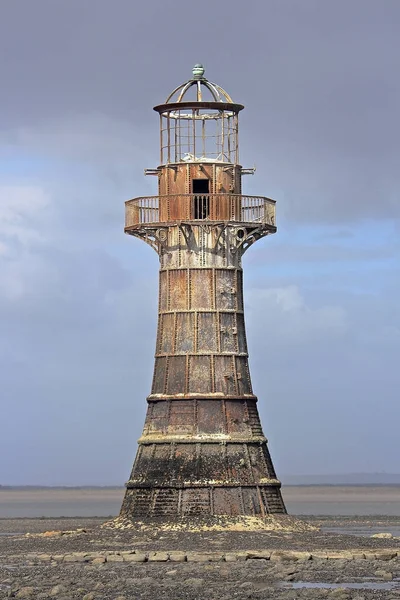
{"points": [[199, 123]]}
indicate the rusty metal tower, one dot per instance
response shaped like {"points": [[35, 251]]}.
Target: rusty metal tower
{"points": [[202, 451]]}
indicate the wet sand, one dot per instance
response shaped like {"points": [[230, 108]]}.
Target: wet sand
{"points": [[93, 563], [340, 561]]}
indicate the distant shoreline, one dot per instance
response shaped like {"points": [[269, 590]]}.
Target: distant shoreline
{"points": [[333, 499], [121, 487]]}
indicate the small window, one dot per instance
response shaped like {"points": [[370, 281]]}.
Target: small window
{"points": [[201, 189]]}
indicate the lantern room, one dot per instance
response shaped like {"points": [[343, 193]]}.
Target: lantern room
{"points": [[199, 150], [199, 175], [199, 123]]}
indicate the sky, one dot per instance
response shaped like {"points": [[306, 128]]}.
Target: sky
{"points": [[78, 298]]}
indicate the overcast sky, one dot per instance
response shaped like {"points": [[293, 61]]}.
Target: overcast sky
{"points": [[78, 80]]}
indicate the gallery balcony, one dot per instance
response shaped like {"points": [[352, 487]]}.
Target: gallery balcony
{"points": [[152, 211]]}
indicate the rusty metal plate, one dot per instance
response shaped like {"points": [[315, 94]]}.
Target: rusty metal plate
{"points": [[257, 462], [228, 332], [251, 501], [181, 419], [268, 461], [210, 416], [200, 374], [142, 461], [166, 502], [241, 334], [157, 415], [158, 465], [178, 289], [225, 289], [207, 339], [236, 417], [167, 333], [224, 375], [243, 375], [201, 289], [163, 292], [239, 278], [238, 464], [211, 464], [184, 333], [160, 372], [184, 461], [176, 378], [227, 501], [196, 501]]}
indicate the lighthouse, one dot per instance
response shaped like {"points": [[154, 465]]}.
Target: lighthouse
{"points": [[203, 451]]}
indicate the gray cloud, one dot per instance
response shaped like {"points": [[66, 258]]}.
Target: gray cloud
{"points": [[78, 298]]}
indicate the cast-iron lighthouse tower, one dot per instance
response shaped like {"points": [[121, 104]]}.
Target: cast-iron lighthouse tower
{"points": [[202, 451]]}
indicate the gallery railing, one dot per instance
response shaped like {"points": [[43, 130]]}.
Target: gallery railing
{"points": [[199, 207]]}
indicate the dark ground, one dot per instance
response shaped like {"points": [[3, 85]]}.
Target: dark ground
{"points": [[23, 574]]}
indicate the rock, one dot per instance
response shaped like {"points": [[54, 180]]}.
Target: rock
{"points": [[339, 555], [99, 560], [384, 575], [89, 596], [51, 534], [204, 556], [58, 589], [319, 554], [137, 557], [358, 555], [177, 556], [246, 585], [230, 557], [158, 557], [259, 554], [369, 554], [173, 572], [385, 554], [25, 592], [301, 554], [120, 598], [58, 557], [115, 558], [242, 555], [44, 556], [383, 536], [77, 557], [284, 555]]}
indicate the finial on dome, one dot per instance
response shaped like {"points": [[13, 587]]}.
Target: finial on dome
{"points": [[198, 71]]}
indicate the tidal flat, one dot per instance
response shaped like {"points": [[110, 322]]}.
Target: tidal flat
{"points": [[68, 559], [76, 557]]}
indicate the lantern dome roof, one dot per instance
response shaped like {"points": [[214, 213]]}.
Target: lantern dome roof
{"points": [[196, 94], [205, 91]]}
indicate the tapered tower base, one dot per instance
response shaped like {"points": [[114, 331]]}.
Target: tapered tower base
{"points": [[205, 472]]}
